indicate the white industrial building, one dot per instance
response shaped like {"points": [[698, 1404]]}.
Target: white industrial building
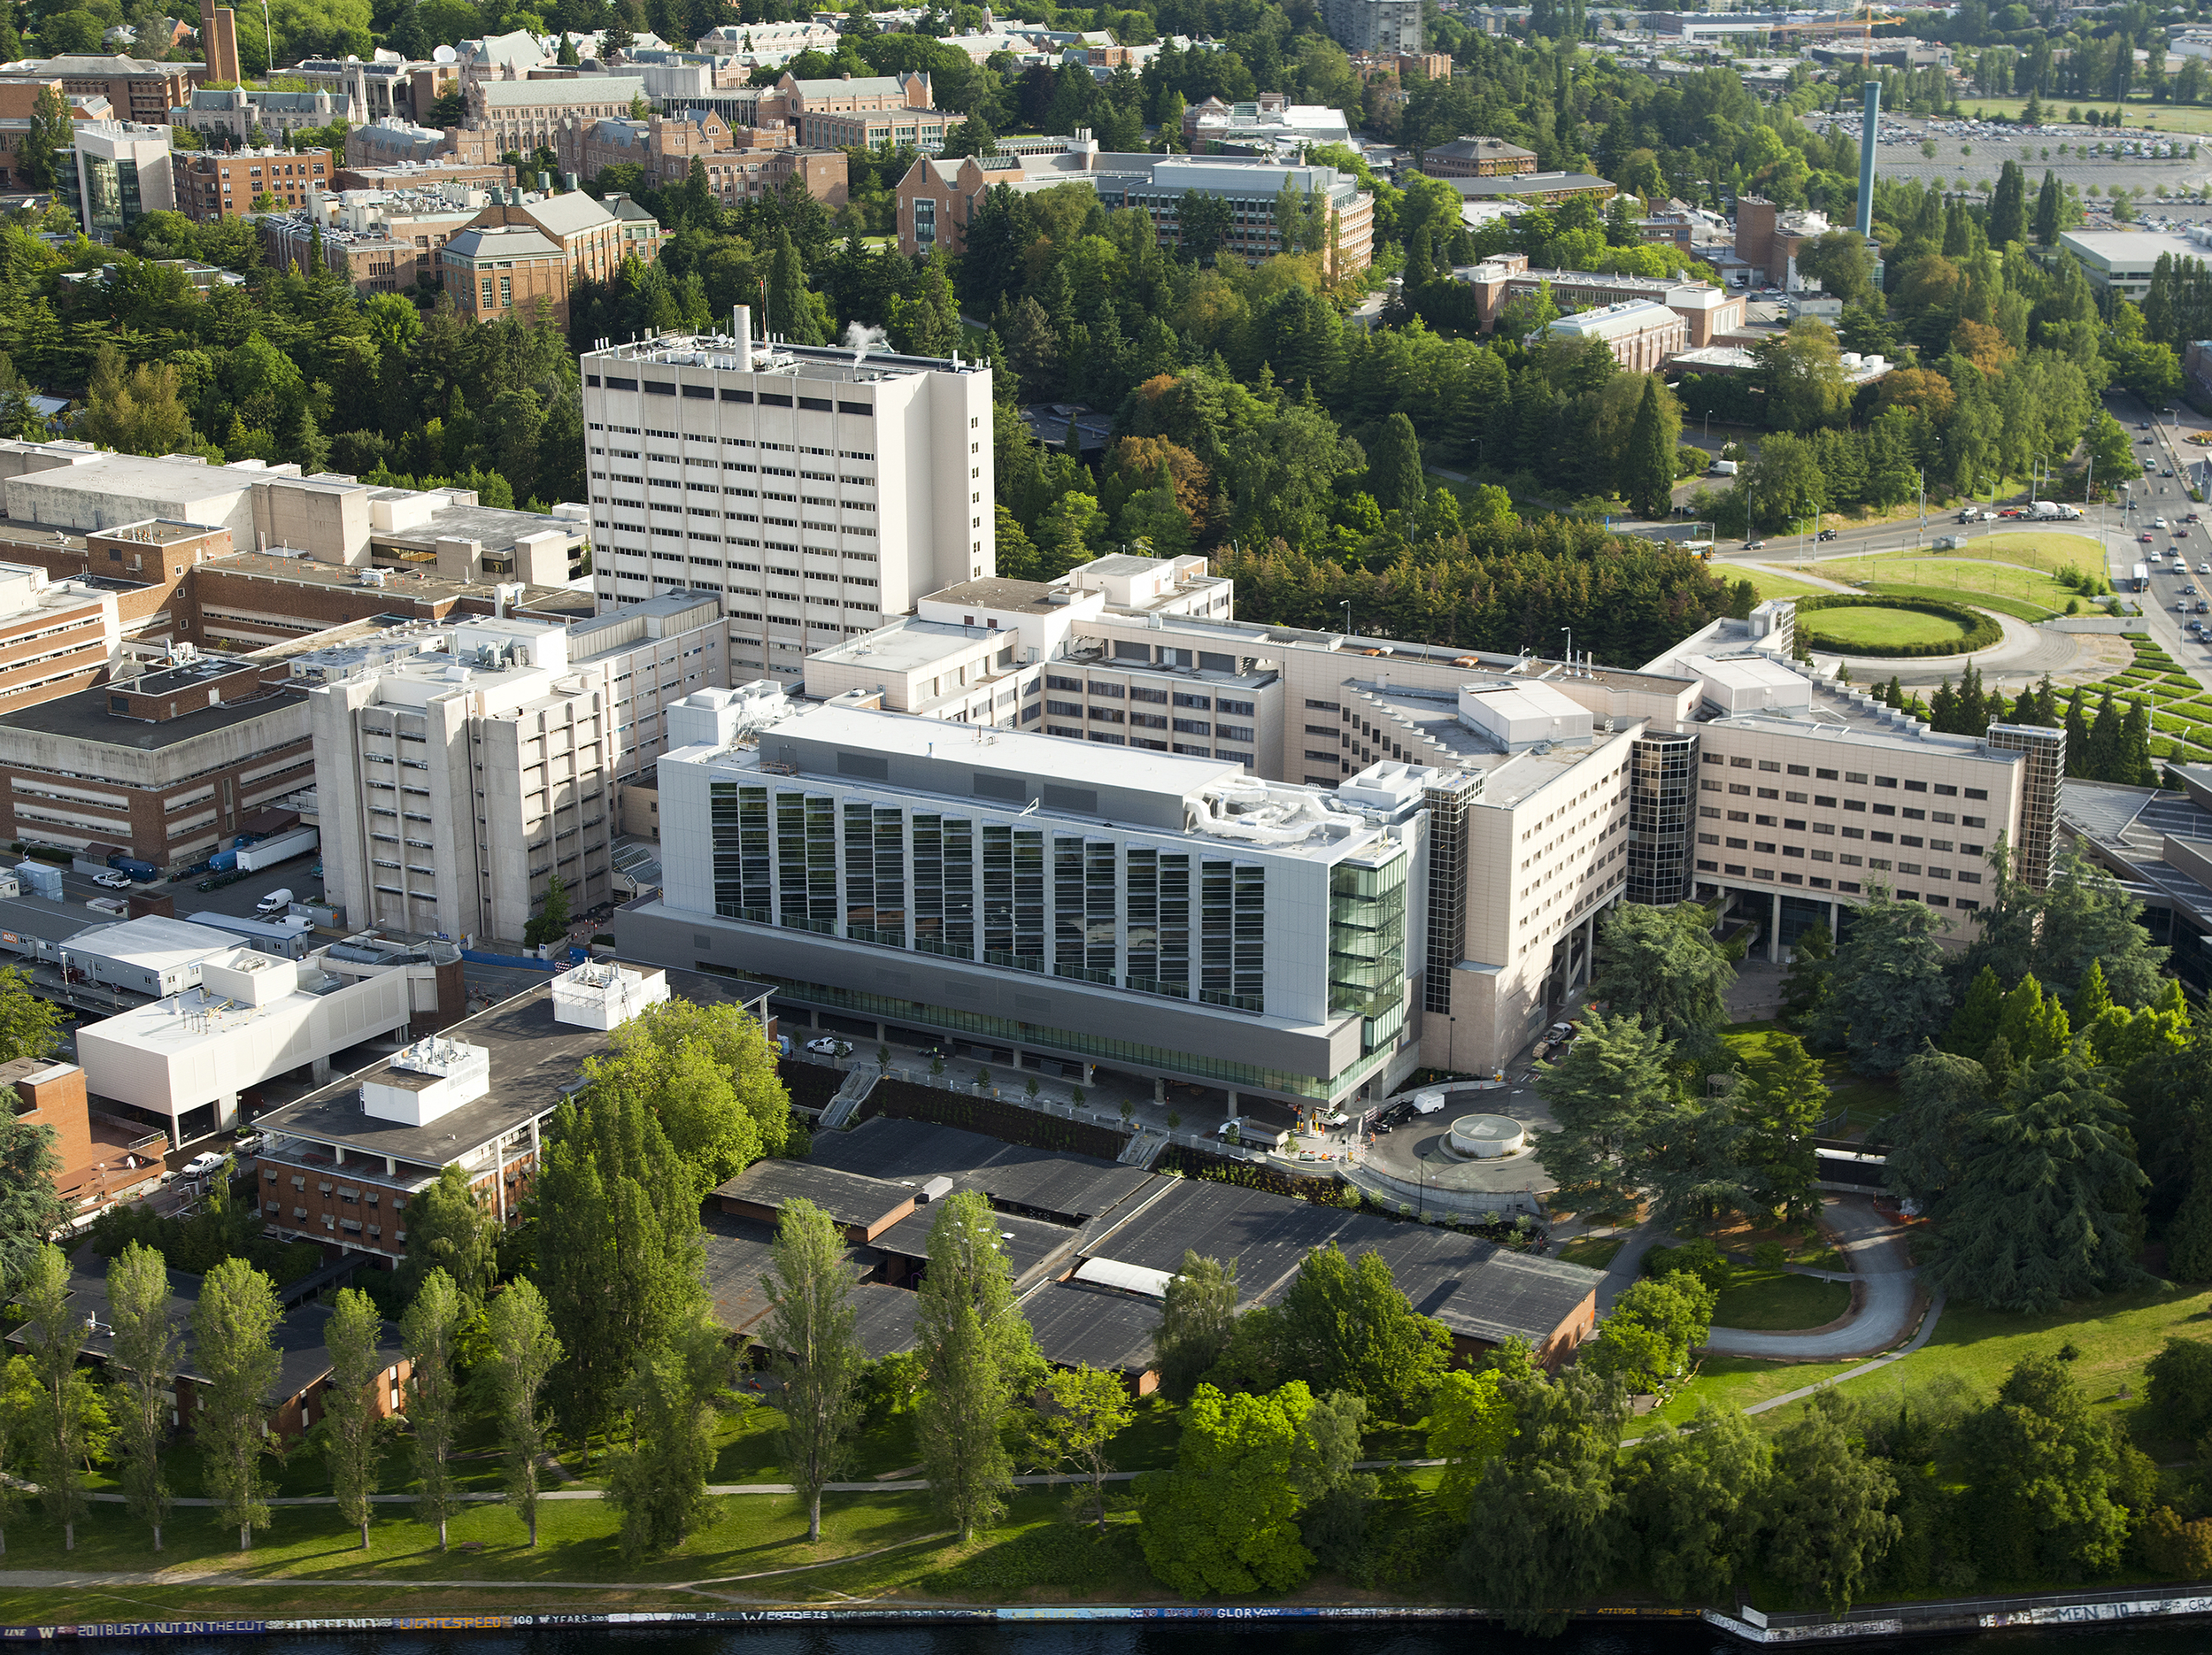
{"points": [[151, 955], [250, 1017], [820, 490]]}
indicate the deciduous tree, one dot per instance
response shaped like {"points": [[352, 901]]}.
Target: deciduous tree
{"points": [[2040, 1468], [1197, 1317], [430, 1330], [523, 1352], [1828, 1521], [1225, 1519], [143, 1363], [977, 1352], [1089, 1408], [817, 1356], [1345, 1325], [677, 1387], [1696, 1498], [349, 1433], [234, 1360], [69, 1409]]}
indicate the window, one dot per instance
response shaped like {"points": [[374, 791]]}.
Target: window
{"points": [[1977, 793]]}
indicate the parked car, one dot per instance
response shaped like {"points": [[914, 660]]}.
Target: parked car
{"points": [[828, 1047], [112, 881], [202, 1164]]}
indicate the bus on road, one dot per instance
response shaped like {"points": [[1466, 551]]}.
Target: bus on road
{"points": [[2142, 577]]}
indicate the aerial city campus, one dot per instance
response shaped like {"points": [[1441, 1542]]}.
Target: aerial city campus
{"points": [[1396, 855], [816, 741]]}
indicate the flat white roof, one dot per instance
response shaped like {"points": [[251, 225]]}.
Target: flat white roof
{"points": [[152, 942], [1048, 758]]}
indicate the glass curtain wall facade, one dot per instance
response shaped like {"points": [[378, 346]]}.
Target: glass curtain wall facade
{"points": [[1155, 920], [1662, 785]]}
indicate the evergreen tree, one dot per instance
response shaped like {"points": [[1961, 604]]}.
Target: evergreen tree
{"points": [[2077, 737], [2041, 1210], [2107, 746], [1939, 1095], [2090, 1002], [1979, 1019], [1805, 984], [791, 312], [2009, 206], [2049, 207], [1665, 967], [2136, 768], [1779, 1102], [1613, 1098], [1394, 473], [1647, 468], [1885, 989]]}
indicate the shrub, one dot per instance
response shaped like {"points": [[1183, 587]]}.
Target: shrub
{"points": [[1701, 1258], [1981, 630], [2172, 1547]]}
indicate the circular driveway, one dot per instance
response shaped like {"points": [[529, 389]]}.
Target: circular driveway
{"points": [[1415, 1152]]}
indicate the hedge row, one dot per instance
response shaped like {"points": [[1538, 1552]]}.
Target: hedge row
{"points": [[1981, 630]]}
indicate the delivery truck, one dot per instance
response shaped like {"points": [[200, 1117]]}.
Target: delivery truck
{"points": [[282, 848]]}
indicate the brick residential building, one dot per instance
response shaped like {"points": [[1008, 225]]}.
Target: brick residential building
{"points": [[1477, 157], [215, 184]]}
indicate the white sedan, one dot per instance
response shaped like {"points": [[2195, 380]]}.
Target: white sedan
{"points": [[202, 1164], [826, 1047]]}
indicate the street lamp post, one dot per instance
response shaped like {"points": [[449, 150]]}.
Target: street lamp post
{"points": [[1348, 618]]}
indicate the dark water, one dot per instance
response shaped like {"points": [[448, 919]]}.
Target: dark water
{"points": [[1447, 1638]]}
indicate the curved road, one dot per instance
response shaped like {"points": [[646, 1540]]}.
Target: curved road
{"points": [[1880, 1263]]}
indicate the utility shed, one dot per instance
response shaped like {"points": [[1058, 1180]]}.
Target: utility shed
{"points": [[862, 1207], [1079, 1326]]}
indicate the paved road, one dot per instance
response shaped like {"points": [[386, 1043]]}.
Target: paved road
{"points": [[1880, 1260]]}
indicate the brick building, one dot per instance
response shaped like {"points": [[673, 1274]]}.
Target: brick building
{"points": [[936, 197], [594, 237], [1477, 157], [215, 184], [380, 246], [141, 92], [1708, 313], [1642, 333], [867, 111], [524, 116], [303, 1374], [741, 163], [54, 636], [96, 1154], [492, 272], [1768, 237]]}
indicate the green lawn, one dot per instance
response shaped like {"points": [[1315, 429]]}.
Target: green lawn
{"points": [[1963, 574], [2115, 1338], [1735, 1381], [1772, 1301], [2170, 118], [1768, 585], [2045, 550], [2013, 606], [1874, 627], [1595, 1251]]}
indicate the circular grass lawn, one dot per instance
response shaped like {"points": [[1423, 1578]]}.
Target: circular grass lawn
{"points": [[1873, 628]]}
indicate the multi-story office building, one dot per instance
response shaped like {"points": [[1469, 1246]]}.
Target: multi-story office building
{"points": [[1169, 914], [456, 779], [937, 198], [820, 490], [114, 174], [1554, 789], [525, 116], [1374, 25]]}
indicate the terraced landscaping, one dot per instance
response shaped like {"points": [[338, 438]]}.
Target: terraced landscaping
{"points": [[2181, 709]]}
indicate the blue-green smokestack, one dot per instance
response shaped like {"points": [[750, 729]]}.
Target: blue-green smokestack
{"points": [[1867, 127]]}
